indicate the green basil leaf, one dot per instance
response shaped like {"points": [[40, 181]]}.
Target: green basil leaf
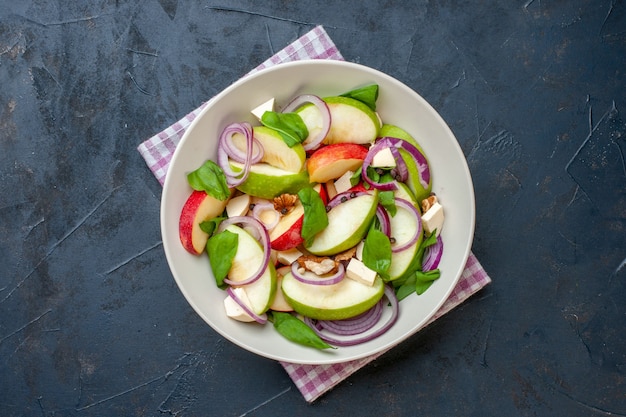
{"points": [[367, 95], [377, 252], [388, 201], [429, 241], [290, 126], [356, 177], [315, 216], [419, 256], [423, 280], [422, 286], [386, 177], [222, 248], [373, 174], [416, 263], [211, 179], [209, 226], [406, 288], [428, 276], [294, 329]]}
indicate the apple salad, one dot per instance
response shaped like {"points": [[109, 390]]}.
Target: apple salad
{"points": [[320, 219]]}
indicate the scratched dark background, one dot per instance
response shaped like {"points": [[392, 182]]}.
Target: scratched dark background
{"points": [[91, 320]]}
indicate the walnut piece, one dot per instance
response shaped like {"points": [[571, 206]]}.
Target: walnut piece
{"points": [[318, 265], [428, 202], [347, 255], [284, 203]]}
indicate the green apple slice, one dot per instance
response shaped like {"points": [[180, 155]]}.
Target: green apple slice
{"points": [[413, 181], [275, 151], [267, 181], [351, 121], [347, 225], [343, 300], [247, 260], [403, 227], [312, 119]]}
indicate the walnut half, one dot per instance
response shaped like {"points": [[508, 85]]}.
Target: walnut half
{"points": [[284, 203], [318, 265], [428, 202]]}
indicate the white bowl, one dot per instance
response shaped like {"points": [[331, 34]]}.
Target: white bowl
{"points": [[397, 104]]}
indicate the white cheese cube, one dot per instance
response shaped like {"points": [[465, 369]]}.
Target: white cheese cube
{"points": [[433, 219], [383, 159], [287, 257], [357, 271], [238, 206], [342, 183], [259, 110], [234, 310]]}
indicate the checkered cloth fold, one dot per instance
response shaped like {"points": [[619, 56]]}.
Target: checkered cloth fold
{"points": [[157, 151]]}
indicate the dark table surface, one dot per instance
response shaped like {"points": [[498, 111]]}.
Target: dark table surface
{"points": [[91, 320]]}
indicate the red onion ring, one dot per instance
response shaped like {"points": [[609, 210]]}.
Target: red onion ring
{"points": [[383, 219], [377, 147], [261, 207], [432, 255], [318, 280], [416, 154], [262, 319], [239, 155], [263, 237], [235, 178], [310, 144], [402, 171], [355, 325], [351, 341], [408, 206], [395, 143], [343, 197]]}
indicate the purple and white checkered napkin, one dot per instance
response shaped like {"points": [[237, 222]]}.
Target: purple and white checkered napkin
{"points": [[311, 380]]}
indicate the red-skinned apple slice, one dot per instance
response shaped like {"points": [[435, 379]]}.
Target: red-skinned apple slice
{"points": [[332, 161], [198, 208], [287, 233]]}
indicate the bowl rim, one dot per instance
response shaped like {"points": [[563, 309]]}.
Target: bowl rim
{"points": [[208, 107]]}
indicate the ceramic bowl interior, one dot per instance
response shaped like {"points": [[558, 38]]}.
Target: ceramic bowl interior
{"points": [[397, 104]]}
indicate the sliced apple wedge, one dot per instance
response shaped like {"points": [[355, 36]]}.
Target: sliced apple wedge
{"points": [[332, 161], [403, 228], [312, 118], [340, 301], [247, 260], [351, 121], [198, 208], [280, 303], [418, 186], [267, 181], [348, 223], [287, 233], [275, 150]]}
